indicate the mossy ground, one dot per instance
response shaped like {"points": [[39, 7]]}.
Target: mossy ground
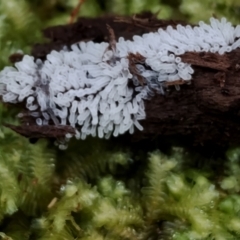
{"points": [[102, 190]]}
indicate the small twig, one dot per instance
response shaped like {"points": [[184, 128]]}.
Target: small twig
{"points": [[44, 131], [75, 11], [112, 38], [52, 203]]}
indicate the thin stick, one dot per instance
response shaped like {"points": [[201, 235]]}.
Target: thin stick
{"points": [[75, 11], [52, 203]]}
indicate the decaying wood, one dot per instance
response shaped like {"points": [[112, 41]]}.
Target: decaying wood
{"points": [[207, 60], [94, 29], [207, 111], [45, 131]]}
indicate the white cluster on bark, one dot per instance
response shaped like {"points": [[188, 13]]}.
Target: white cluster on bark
{"points": [[91, 87]]}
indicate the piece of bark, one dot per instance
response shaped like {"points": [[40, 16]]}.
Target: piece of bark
{"points": [[95, 29], [46, 131], [207, 60], [207, 111]]}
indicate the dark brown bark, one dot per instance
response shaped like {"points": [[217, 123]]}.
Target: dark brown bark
{"points": [[47, 131], [207, 111], [95, 29]]}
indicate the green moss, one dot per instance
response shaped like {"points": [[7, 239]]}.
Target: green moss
{"points": [[95, 189]]}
